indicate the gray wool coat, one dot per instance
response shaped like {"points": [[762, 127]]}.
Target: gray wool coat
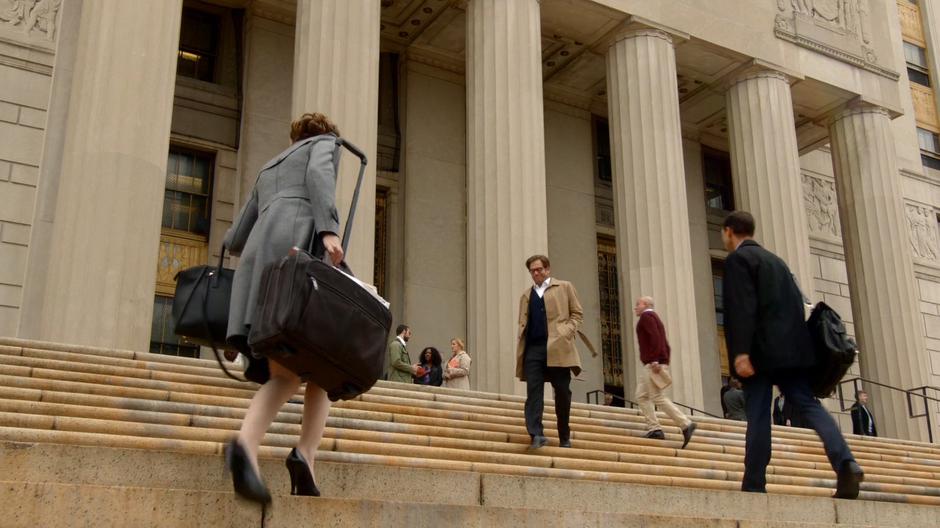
{"points": [[293, 200]]}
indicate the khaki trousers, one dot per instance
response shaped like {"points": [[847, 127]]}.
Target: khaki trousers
{"points": [[648, 395]]}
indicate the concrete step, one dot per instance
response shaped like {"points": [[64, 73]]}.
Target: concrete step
{"points": [[97, 397], [208, 373], [42, 415], [31, 504], [594, 420], [70, 391], [59, 473]]}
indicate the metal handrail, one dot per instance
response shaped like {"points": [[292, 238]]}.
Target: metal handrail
{"points": [[597, 401], [917, 392], [635, 405]]}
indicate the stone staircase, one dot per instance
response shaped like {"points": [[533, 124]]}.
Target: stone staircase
{"points": [[96, 437]]}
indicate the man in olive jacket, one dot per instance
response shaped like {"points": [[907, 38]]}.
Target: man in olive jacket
{"points": [[550, 317], [399, 362]]}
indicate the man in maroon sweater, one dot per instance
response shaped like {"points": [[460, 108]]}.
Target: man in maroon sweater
{"points": [[654, 379]]}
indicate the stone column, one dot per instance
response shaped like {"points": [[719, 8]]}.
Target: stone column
{"points": [[652, 221], [765, 165], [878, 258], [101, 269], [506, 212], [47, 192], [336, 72]]}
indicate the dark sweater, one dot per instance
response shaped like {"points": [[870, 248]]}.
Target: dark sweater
{"points": [[651, 334], [536, 329]]}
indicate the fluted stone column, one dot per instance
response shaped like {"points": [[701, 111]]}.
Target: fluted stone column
{"points": [[506, 213], [652, 221], [879, 262], [105, 231], [336, 72], [765, 165]]}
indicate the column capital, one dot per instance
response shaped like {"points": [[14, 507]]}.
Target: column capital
{"points": [[635, 26], [858, 106], [759, 69]]}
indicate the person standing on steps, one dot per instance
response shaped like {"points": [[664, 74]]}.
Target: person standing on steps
{"points": [[769, 344], [733, 400], [457, 372], [292, 203], [431, 370], [655, 378], [400, 368], [863, 423], [550, 317]]}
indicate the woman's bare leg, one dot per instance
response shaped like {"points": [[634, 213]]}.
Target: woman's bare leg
{"points": [[264, 407], [316, 410]]}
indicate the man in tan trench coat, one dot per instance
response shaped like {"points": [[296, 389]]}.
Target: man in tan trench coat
{"points": [[550, 317]]}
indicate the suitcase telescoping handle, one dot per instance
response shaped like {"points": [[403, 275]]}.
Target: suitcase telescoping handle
{"points": [[355, 199], [340, 142]]}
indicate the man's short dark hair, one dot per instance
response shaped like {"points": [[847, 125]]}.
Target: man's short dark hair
{"points": [[533, 258], [859, 393], [741, 223], [400, 329]]}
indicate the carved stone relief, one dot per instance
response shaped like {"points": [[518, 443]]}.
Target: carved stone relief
{"points": [[924, 239], [840, 29], [822, 210], [33, 17]]}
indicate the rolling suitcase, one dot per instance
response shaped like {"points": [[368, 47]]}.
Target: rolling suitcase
{"points": [[320, 322]]}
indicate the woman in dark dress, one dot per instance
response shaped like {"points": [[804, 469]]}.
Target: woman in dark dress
{"points": [[430, 368]]}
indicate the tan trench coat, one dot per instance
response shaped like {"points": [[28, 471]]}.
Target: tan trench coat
{"points": [[564, 313]]}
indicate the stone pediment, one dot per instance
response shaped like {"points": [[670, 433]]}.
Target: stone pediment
{"points": [[840, 29]]}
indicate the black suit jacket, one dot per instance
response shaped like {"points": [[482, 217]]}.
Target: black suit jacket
{"points": [[787, 414], [861, 420], [764, 314]]}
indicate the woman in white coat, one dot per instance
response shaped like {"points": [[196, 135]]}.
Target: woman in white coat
{"points": [[457, 372]]}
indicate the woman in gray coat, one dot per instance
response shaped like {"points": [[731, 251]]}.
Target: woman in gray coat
{"points": [[293, 200]]}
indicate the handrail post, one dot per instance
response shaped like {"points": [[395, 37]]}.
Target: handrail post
{"points": [[841, 398], [927, 413]]}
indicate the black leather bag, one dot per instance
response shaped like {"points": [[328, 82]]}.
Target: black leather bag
{"points": [[201, 303], [201, 306], [835, 350], [318, 322]]}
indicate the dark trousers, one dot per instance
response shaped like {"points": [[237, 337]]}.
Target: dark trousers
{"points": [[795, 388], [537, 372]]}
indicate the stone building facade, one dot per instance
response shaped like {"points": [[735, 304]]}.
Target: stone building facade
{"points": [[611, 134]]}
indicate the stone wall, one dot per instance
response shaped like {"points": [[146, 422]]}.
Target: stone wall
{"points": [[829, 263], [27, 50], [572, 237], [434, 179]]}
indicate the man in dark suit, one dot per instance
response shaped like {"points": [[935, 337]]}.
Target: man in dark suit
{"points": [[769, 344], [863, 423]]}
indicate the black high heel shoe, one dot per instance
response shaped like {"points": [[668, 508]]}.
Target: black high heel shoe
{"points": [[245, 479], [301, 479]]}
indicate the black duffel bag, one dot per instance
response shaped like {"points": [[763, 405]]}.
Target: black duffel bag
{"points": [[835, 350], [320, 324], [201, 303], [201, 306]]}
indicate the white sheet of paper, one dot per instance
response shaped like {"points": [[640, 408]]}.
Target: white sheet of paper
{"points": [[367, 287]]}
